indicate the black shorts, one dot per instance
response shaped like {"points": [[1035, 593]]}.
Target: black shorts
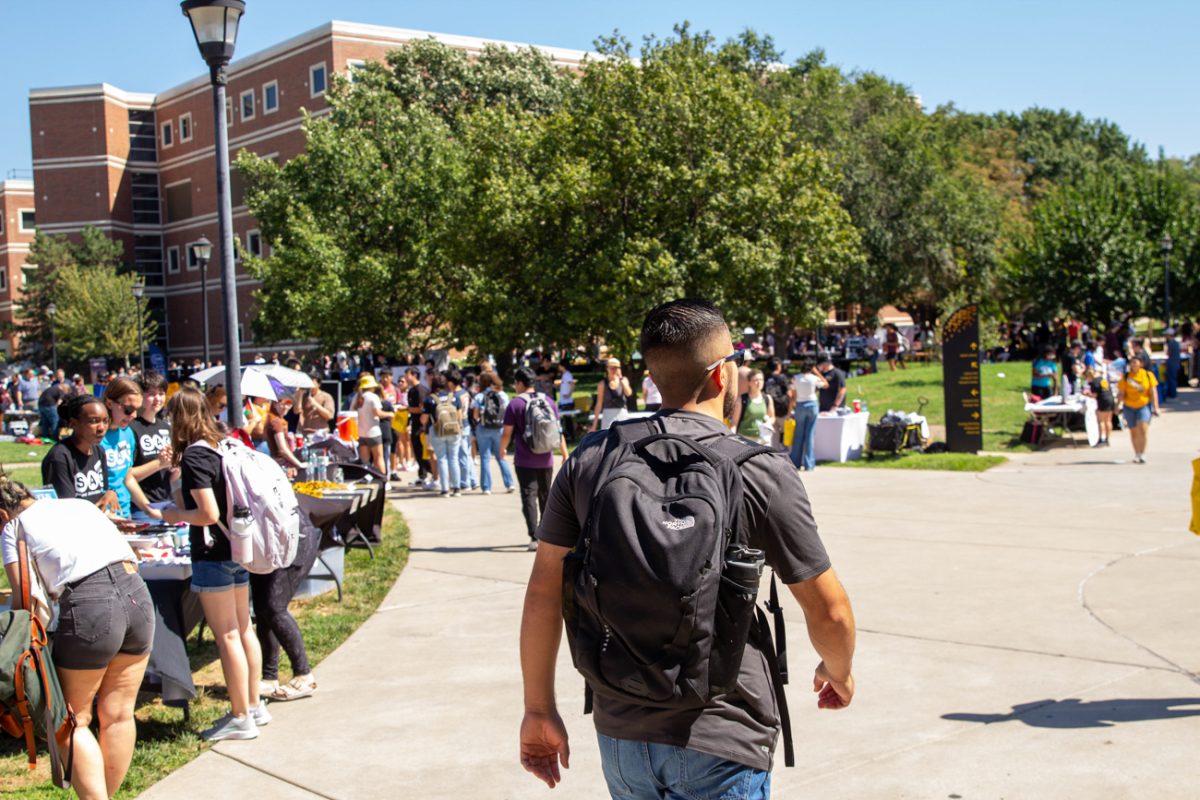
{"points": [[370, 441], [106, 613], [1104, 403], [893, 356]]}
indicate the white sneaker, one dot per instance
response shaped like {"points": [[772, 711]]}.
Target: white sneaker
{"points": [[231, 727], [510, 489], [532, 546], [261, 715], [487, 491]]}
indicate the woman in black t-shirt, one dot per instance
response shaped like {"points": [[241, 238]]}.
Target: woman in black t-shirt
{"points": [[76, 467], [222, 584]]}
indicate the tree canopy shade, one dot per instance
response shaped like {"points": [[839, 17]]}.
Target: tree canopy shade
{"points": [[93, 294], [500, 202]]}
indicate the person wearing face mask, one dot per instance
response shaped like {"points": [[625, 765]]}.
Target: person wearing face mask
{"points": [[123, 398], [152, 454]]}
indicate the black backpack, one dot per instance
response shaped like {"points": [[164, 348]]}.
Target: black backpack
{"points": [[659, 592], [777, 390], [493, 410]]}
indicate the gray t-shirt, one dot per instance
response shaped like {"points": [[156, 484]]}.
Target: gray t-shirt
{"points": [[741, 726]]}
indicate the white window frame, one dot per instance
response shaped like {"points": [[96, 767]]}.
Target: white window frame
{"points": [[353, 65], [1, 224], [270, 85], [325, 78], [3, 280], [168, 135], [188, 118], [173, 251], [242, 105], [228, 112], [193, 264], [249, 248], [21, 220]]}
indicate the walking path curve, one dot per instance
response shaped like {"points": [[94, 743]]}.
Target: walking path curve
{"points": [[1025, 632]]}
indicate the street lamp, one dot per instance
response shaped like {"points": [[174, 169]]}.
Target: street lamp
{"points": [[139, 289], [202, 250], [52, 310], [1167, 244], [215, 25]]}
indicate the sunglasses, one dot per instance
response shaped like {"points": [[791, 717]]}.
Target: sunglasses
{"points": [[129, 410], [739, 357]]}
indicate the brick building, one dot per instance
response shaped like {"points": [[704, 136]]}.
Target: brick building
{"points": [[140, 167], [17, 220]]}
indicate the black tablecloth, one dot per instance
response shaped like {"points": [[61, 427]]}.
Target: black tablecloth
{"points": [[176, 613], [337, 517]]}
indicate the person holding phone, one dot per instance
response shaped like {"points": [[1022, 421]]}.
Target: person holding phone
{"points": [[611, 394]]}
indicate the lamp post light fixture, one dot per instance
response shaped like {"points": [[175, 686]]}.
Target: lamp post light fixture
{"points": [[52, 311], [1167, 245], [202, 250], [215, 26], [139, 289]]}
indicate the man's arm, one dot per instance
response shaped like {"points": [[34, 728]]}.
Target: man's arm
{"points": [[505, 438], [543, 736], [841, 396], [830, 623]]}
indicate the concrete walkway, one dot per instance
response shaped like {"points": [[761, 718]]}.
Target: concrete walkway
{"points": [[1029, 632]]}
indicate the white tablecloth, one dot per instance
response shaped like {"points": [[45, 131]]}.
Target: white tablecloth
{"points": [[841, 438], [1055, 407]]}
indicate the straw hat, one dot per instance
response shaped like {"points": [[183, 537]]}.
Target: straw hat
{"points": [[367, 382], [613, 362]]}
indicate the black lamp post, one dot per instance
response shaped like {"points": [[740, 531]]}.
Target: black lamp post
{"points": [[202, 250], [215, 25], [139, 289], [1167, 244], [52, 310]]}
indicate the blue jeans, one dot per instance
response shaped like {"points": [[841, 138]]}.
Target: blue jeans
{"points": [[48, 421], [466, 464], [662, 772], [806, 434], [446, 450], [489, 448]]}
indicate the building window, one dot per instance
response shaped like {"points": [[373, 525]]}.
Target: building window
{"points": [[179, 201], [247, 105], [316, 79], [192, 262], [3, 280], [173, 260], [254, 243], [185, 127], [228, 112], [27, 223], [168, 135], [353, 66], [270, 97]]}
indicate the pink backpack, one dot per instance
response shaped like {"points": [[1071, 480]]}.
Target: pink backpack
{"points": [[253, 480]]}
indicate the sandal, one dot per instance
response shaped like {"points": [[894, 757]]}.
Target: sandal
{"points": [[294, 690], [267, 688]]}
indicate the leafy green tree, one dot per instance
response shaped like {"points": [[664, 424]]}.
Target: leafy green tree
{"points": [[97, 314], [51, 259]]}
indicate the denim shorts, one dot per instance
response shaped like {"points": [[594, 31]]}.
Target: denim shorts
{"points": [[217, 576], [1136, 416], [106, 613]]}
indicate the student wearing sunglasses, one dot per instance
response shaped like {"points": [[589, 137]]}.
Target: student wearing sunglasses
{"points": [[123, 398]]}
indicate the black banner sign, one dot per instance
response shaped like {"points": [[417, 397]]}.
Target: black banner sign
{"points": [[964, 395]]}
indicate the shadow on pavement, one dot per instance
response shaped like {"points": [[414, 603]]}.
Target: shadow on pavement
{"points": [[499, 548], [1074, 713]]}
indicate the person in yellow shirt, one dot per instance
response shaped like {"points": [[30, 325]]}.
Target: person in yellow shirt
{"points": [[1139, 395]]}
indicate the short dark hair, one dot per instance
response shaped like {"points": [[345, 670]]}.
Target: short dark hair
{"points": [[673, 340], [413, 371], [524, 375], [454, 376], [773, 363], [437, 382], [824, 358], [153, 382], [72, 408]]}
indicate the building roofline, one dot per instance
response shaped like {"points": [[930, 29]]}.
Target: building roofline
{"points": [[88, 91], [14, 186]]}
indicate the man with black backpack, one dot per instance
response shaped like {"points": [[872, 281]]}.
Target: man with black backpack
{"points": [[778, 383], [533, 418], [651, 549]]}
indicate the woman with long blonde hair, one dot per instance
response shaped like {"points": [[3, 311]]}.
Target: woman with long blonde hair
{"points": [[222, 584]]}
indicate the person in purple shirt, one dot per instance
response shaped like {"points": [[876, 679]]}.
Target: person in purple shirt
{"points": [[534, 470]]}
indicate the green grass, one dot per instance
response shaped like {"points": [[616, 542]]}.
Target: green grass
{"points": [[1003, 407], [165, 741], [948, 462], [17, 453]]}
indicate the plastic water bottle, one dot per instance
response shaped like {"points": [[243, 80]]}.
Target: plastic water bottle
{"points": [[241, 546]]}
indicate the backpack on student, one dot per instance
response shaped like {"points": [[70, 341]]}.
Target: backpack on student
{"points": [[32, 704], [446, 421], [659, 593], [254, 481], [777, 390], [493, 410], [541, 433]]}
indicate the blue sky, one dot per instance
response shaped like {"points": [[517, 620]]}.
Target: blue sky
{"points": [[1133, 63]]}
